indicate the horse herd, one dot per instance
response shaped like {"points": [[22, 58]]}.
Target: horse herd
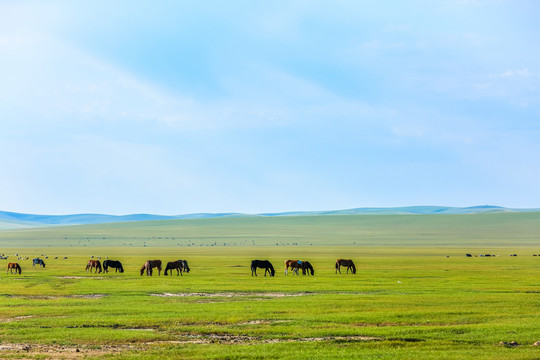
{"points": [[297, 265], [182, 266]]}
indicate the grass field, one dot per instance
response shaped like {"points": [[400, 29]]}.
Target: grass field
{"points": [[407, 300]]}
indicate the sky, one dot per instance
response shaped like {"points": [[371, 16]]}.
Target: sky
{"points": [[178, 107]]}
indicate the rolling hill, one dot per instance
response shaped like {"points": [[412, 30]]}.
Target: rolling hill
{"points": [[13, 220]]}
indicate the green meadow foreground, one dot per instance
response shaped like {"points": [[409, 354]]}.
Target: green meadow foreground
{"points": [[415, 293]]}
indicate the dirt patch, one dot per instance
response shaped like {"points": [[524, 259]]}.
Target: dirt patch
{"points": [[47, 297], [87, 296], [16, 318], [260, 322], [243, 339], [326, 338], [231, 295], [80, 277], [29, 351]]}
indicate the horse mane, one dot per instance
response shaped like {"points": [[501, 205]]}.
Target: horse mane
{"points": [[272, 271], [143, 267], [310, 268], [353, 267]]}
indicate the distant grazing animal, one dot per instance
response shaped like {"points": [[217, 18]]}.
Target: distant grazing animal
{"points": [[178, 265], [93, 264], [263, 264], [12, 266], [468, 255], [65, 257], [117, 265], [38, 261], [149, 265], [348, 263]]}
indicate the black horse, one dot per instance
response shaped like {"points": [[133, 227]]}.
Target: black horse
{"points": [[305, 265], [185, 266], [38, 261], [262, 264], [117, 265]]}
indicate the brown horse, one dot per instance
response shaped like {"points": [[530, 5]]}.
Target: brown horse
{"points": [[297, 264], [293, 264], [93, 264], [348, 263], [178, 265], [12, 266], [149, 265]]}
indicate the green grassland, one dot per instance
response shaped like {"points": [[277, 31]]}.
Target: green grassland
{"points": [[415, 293]]}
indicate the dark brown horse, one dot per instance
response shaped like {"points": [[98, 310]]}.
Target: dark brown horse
{"points": [[149, 265], [12, 266], [178, 265], [93, 264], [299, 264], [307, 268], [348, 263]]}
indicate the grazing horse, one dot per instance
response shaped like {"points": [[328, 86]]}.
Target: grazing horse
{"points": [[39, 262], [298, 264], [93, 264], [293, 264], [305, 265], [263, 264], [178, 265], [185, 266], [117, 265], [12, 266], [149, 265], [348, 263]]}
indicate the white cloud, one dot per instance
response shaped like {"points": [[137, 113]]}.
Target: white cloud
{"points": [[517, 73]]}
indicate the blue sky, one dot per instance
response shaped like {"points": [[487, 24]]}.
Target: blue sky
{"points": [[240, 106]]}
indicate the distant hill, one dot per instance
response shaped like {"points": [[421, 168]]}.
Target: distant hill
{"points": [[12, 220]]}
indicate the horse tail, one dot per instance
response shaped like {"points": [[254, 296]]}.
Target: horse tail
{"points": [[337, 264], [353, 267], [121, 267], [19, 268], [310, 268], [43, 263]]}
